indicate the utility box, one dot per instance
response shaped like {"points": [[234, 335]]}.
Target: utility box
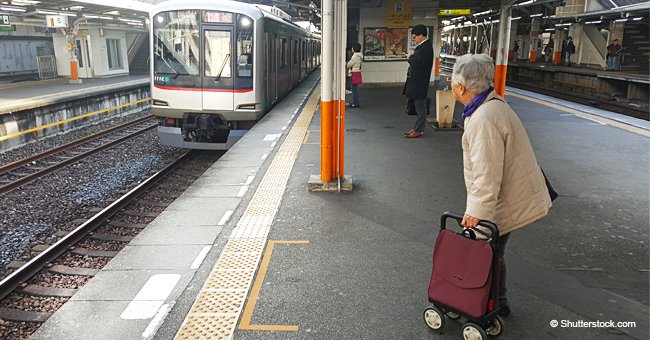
{"points": [[445, 104]]}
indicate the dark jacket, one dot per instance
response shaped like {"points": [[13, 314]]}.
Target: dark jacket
{"points": [[570, 47], [419, 73]]}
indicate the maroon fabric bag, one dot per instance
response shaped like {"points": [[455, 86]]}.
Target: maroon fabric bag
{"points": [[462, 273], [356, 78]]}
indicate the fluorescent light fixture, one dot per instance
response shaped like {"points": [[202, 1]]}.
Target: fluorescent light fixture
{"points": [[13, 9], [91, 16], [620, 20], [46, 12], [536, 15], [134, 23], [25, 2], [103, 17], [567, 24], [526, 2], [637, 18], [515, 18], [76, 8], [128, 20], [482, 13], [549, 29], [593, 22], [112, 13]]}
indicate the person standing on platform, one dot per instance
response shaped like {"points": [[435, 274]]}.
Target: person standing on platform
{"points": [[504, 183], [569, 50], [418, 77], [614, 55], [354, 65], [515, 50]]}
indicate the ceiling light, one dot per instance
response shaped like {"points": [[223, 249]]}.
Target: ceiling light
{"points": [[536, 15], [13, 9]]}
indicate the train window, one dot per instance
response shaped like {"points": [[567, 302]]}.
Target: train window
{"points": [[283, 55], [217, 17], [114, 54], [295, 52], [217, 54], [245, 47], [176, 42]]}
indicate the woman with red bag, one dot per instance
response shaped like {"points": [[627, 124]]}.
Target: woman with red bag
{"points": [[354, 67]]}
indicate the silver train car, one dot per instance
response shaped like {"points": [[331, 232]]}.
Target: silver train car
{"points": [[218, 66]]}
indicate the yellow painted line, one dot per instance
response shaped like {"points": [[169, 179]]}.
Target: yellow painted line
{"points": [[304, 140], [43, 127], [599, 119], [245, 323]]}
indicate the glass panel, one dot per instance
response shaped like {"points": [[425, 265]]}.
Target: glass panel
{"points": [[245, 47], [217, 54], [176, 42], [77, 51], [114, 54]]}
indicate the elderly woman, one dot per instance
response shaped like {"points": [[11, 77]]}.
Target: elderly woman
{"points": [[504, 183], [354, 65]]}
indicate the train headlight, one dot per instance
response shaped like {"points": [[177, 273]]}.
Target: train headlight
{"points": [[245, 22], [160, 19]]}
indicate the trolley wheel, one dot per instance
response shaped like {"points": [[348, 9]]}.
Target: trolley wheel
{"points": [[497, 327], [472, 331], [434, 318], [453, 315]]}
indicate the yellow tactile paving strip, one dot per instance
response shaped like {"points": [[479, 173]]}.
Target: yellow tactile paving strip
{"points": [[216, 311]]}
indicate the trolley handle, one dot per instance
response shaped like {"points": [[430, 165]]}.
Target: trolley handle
{"points": [[459, 218]]}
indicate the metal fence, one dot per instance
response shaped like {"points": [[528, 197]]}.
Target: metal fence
{"points": [[47, 67]]}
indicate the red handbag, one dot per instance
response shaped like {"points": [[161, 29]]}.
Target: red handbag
{"points": [[356, 78]]}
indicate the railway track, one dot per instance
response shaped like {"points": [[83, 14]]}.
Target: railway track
{"points": [[39, 286], [26, 170]]}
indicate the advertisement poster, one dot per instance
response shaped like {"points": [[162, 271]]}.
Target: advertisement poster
{"points": [[397, 42], [374, 40]]}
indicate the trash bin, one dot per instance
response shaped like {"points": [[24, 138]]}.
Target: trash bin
{"points": [[445, 104]]}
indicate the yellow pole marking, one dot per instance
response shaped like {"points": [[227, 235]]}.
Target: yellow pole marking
{"points": [[61, 122], [245, 323], [599, 119]]}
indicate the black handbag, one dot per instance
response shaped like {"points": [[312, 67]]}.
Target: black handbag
{"points": [[551, 191]]}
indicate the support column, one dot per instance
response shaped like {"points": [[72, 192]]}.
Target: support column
{"points": [[471, 47], [557, 46], [502, 51], [327, 27], [437, 35], [511, 44], [340, 42], [479, 39], [534, 40], [70, 34], [494, 40]]}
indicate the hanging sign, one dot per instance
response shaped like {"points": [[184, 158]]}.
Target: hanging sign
{"points": [[4, 20], [465, 11], [399, 13], [57, 21]]}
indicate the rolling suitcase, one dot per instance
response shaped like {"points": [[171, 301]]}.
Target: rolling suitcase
{"points": [[465, 279]]}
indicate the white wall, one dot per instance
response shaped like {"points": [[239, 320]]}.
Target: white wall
{"points": [[389, 72]]}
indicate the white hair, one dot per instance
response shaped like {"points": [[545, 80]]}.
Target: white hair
{"points": [[475, 71]]}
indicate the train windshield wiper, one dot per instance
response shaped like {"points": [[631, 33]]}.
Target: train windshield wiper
{"points": [[222, 67]]}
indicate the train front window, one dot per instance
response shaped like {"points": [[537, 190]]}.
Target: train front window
{"points": [[217, 54], [176, 43], [245, 47]]}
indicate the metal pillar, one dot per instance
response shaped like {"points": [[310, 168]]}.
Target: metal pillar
{"points": [[557, 46], [502, 51], [334, 25], [471, 47], [534, 39]]}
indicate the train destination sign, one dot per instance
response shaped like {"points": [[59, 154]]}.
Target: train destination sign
{"points": [[464, 11], [4, 20]]}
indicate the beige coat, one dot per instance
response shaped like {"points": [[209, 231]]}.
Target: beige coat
{"points": [[354, 65], [504, 183]]}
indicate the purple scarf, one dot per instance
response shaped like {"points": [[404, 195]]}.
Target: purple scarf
{"points": [[475, 103]]}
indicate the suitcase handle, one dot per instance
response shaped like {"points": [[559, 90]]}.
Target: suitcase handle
{"points": [[459, 218]]}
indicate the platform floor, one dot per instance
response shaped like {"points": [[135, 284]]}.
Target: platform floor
{"points": [[356, 265], [31, 94]]}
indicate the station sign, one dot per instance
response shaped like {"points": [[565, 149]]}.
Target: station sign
{"points": [[464, 11], [4, 20], [57, 21]]}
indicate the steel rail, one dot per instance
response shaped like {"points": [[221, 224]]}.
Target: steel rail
{"points": [[19, 163], [31, 177], [35, 265]]}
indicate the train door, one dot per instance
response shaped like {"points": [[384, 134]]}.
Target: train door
{"points": [[83, 62], [217, 68]]}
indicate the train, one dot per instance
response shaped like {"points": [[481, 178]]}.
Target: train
{"points": [[218, 66]]}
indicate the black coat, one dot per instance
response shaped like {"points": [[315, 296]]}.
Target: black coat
{"points": [[419, 73]]}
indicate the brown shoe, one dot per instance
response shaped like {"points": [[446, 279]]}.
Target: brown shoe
{"points": [[408, 132], [414, 134]]}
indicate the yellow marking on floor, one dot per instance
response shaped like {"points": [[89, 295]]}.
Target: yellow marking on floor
{"points": [[304, 140], [61, 122], [596, 118], [216, 310], [245, 323]]}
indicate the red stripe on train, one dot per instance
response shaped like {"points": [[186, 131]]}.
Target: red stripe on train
{"points": [[201, 89]]}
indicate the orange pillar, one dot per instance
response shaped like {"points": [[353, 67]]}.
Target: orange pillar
{"points": [[326, 141], [532, 56], [557, 58], [436, 68], [500, 79], [74, 73]]}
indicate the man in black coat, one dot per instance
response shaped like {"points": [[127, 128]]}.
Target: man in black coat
{"points": [[417, 79]]}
